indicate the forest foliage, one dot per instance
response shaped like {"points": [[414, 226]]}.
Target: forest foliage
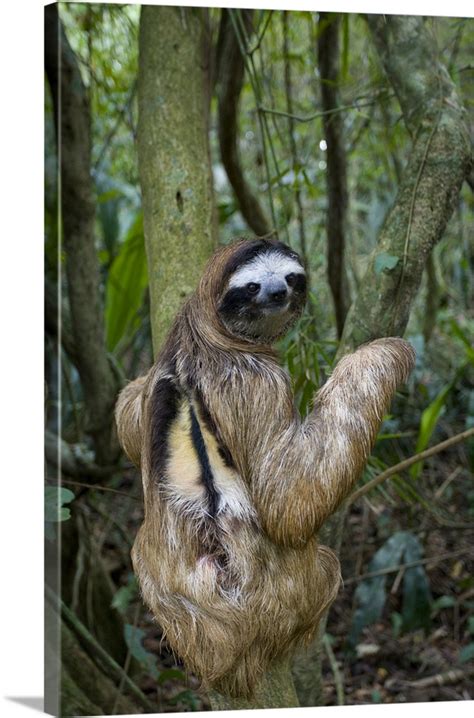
{"points": [[308, 138]]}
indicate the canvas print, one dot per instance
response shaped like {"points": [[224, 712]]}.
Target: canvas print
{"points": [[259, 322]]}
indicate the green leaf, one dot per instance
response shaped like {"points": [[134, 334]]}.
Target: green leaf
{"points": [[402, 547], [370, 594], [54, 498], [133, 638], [126, 284], [307, 397], [113, 193], [416, 604], [460, 334], [187, 697], [385, 261], [397, 623], [429, 419], [467, 653], [171, 674], [441, 603]]}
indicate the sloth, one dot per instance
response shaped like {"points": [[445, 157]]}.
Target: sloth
{"points": [[236, 484]]}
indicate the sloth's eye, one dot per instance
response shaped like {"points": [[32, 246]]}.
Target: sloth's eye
{"points": [[253, 288], [290, 279]]}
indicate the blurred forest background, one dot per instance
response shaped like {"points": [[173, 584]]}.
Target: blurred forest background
{"points": [[352, 142]]}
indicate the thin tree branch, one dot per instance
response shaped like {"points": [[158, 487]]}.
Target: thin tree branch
{"points": [[98, 487], [71, 465], [403, 465], [441, 679], [261, 34], [322, 113], [404, 566], [242, 39], [362, 128], [229, 86], [293, 148], [338, 680], [120, 117]]}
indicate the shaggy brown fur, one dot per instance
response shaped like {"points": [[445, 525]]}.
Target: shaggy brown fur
{"points": [[236, 485]]}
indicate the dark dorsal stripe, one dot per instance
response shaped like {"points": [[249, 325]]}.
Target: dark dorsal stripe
{"points": [[206, 471], [164, 409], [224, 452]]}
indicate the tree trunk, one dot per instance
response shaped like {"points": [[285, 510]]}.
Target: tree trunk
{"points": [[336, 171], [177, 201], [173, 154], [276, 690], [439, 162], [73, 132], [307, 670]]}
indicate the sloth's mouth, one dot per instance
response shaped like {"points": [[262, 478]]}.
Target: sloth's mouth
{"points": [[276, 307]]}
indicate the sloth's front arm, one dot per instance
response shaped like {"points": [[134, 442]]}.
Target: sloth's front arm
{"points": [[299, 472], [128, 416]]}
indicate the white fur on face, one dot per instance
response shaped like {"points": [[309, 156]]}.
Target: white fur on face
{"points": [[263, 266]]}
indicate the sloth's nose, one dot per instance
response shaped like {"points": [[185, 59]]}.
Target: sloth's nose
{"points": [[277, 295]]}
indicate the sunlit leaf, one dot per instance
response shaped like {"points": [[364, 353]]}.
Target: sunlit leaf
{"points": [[429, 419]]}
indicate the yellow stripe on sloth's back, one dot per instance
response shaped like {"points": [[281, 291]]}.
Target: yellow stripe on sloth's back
{"points": [[183, 469]]}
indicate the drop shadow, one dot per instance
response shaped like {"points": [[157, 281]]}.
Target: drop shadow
{"points": [[34, 702]]}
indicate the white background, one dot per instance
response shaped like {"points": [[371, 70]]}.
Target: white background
{"points": [[21, 330]]}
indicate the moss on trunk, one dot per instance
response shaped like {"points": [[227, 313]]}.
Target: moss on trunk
{"points": [[438, 164], [173, 153], [276, 690]]}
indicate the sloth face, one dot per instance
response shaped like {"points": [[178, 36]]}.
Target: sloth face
{"points": [[265, 291]]}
